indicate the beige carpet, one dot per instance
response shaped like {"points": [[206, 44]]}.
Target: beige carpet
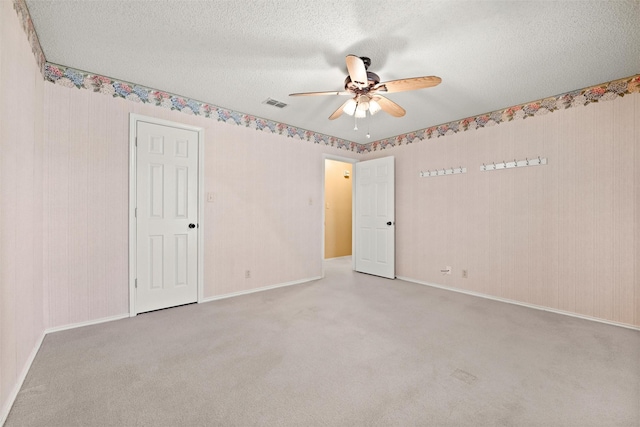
{"points": [[349, 350]]}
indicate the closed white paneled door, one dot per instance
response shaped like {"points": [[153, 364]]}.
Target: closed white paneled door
{"points": [[166, 217], [375, 217]]}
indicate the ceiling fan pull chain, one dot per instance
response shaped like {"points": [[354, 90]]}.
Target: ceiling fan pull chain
{"points": [[355, 122], [368, 125]]}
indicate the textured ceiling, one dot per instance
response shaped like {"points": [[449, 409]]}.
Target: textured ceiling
{"points": [[236, 54]]}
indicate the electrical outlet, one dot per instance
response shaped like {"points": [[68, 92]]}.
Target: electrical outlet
{"points": [[465, 274], [247, 274]]}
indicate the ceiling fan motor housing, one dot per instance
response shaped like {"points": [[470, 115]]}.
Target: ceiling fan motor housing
{"points": [[372, 80]]}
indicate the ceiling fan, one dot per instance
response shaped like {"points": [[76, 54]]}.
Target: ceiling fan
{"points": [[366, 88]]}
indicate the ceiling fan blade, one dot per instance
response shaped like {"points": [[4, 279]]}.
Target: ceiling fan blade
{"points": [[321, 93], [357, 71], [389, 106], [408, 84], [339, 111]]}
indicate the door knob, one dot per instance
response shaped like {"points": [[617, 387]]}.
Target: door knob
{"points": [[389, 223], [192, 225]]}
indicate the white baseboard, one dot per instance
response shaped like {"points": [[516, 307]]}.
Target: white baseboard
{"points": [[523, 304], [265, 288], [87, 323], [18, 385]]}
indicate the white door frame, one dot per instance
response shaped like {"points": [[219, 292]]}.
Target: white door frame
{"points": [[353, 205], [133, 120]]}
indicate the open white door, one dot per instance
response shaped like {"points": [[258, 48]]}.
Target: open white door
{"points": [[166, 255], [375, 217]]}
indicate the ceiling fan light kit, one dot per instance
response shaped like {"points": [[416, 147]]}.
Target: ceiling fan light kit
{"points": [[350, 107], [365, 87], [363, 103], [374, 107]]}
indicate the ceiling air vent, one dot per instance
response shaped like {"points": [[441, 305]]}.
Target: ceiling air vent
{"points": [[275, 103]]}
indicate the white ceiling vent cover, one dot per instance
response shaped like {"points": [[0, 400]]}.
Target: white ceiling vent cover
{"points": [[275, 103]]}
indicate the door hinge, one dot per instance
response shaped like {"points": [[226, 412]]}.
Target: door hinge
{"points": [[136, 141], [136, 284], [136, 213]]}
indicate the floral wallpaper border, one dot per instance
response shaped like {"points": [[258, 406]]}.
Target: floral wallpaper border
{"points": [[27, 25], [73, 78], [604, 92], [70, 77]]}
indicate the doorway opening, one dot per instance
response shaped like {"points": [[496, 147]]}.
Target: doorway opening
{"points": [[338, 208]]}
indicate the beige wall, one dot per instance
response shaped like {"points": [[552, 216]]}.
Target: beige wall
{"points": [[338, 205], [21, 304], [564, 236], [266, 216]]}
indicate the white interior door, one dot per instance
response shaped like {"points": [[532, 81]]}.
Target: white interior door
{"points": [[375, 217], [166, 216]]}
